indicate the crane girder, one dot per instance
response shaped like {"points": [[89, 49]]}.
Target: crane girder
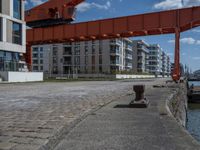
{"points": [[164, 22], [52, 12]]}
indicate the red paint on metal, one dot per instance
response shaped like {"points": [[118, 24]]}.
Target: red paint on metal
{"points": [[49, 10], [165, 22]]}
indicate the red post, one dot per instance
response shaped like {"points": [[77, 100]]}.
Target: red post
{"points": [[28, 57], [176, 72]]}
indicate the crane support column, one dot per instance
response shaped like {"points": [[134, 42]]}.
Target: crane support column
{"points": [[28, 56], [176, 72]]}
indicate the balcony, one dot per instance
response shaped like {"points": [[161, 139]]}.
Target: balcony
{"points": [[67, 53], [116, 42], [114, 62], [114, 52], [67, 63], [129, 48], [143, 48], [128, 56], [129, 64]]}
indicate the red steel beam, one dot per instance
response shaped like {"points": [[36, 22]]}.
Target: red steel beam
{"points": [[138, 25], [166, 22], [41, 12]]}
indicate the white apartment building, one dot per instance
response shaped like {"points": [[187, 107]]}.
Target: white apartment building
{"points": [[12, 34], [155, 59], [168, 66], [90, 57], [164, 63], [140, 56]]}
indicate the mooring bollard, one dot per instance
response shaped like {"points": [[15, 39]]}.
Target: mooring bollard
{"points": [[139, 91], [140, 101]]}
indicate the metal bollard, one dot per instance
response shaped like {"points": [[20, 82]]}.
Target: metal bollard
{"points": [[139, 91], [140, 101]]}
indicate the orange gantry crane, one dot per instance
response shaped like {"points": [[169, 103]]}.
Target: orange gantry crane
{"points": [[51, 23]]}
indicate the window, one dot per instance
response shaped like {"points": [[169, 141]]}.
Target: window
{"points": [[55, 52], [35, 61], [35, 55], [1, 33], [41, 61], [17, 9], [17, 33], [0, 6], [35, 49], [41, 68], [41, 55], [41, 49], [35, 68], [100, 59]]}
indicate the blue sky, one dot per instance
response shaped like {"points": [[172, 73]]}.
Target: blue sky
{"points": [[99, 9]]}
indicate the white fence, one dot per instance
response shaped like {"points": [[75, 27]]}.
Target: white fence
{"points": [[10, 76], [121, 76], [117, 76]]}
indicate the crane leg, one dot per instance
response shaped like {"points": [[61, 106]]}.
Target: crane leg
{"points": [[176, 72], [28, 57]]}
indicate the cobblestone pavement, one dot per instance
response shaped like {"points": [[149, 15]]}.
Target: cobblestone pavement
{"points": [[34, 114]]}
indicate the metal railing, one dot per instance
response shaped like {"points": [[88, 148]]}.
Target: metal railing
{"points": [[12, 66]]}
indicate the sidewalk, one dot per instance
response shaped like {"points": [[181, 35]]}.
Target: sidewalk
{"points": [[123, 128]]}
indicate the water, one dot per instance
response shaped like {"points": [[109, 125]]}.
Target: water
{"points": [[195, 83], [193, 124]]}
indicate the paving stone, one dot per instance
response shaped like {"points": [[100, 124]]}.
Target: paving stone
{"points": [[40, 110], [25, 147], [6, 145]]}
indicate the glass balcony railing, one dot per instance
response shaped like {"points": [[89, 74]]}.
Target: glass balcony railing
{"points": [[114, 62], [115, 51], [143, 48], [129, 56], [67, 53], [129, 64], [129, 47], [67, 62], [116, 42]]}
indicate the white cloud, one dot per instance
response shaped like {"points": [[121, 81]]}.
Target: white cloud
{"points": [[196, 30], [86, 6], [37, 2], [168, 4], [172, 4], [189, 40], [196, 58], [198, 42], [170, 54]]}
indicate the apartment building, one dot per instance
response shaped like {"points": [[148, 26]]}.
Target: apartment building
{"points": [[168, 66], [155, 59], [90, 57], [12, 34], [140, 56], [164, 63]]}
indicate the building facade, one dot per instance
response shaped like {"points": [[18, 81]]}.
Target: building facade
{"points": [[140, 56], [164, 63], [12, 34], [90, 57], [168, 66], [155, 59]]}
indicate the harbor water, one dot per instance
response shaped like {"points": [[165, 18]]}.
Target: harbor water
{"points": [[193, 124]]}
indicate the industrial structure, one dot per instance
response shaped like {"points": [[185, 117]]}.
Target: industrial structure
{"points": [[55, 16]]}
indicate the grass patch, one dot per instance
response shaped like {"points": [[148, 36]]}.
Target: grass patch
{"points": [[79, 79]]}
